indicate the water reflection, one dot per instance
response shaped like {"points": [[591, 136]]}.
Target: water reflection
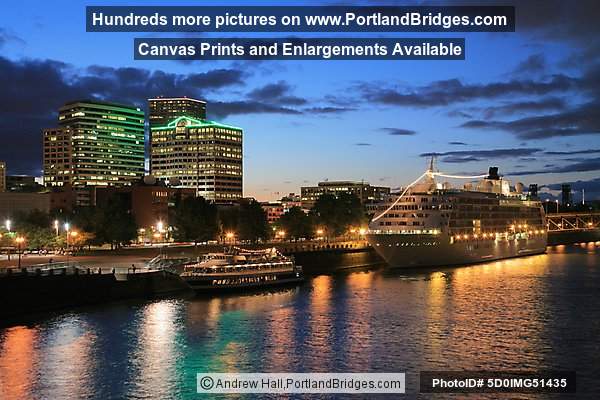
{"points": [[69, 345], [154, 361], [357, 321], [279, 339], [18, 362], [318, 353], [527, 313]]}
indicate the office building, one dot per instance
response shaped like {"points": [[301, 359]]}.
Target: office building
{"points": [[14, 203], [96, 144], [22, 183], [363, 190], [150, 204], [566, 195], [199, 154], [290, 201], [57, 157], [274, 211], [2, 176], [163, 110]]}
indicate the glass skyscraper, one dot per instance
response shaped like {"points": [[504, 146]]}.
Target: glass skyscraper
{"points": [[96, 144]]}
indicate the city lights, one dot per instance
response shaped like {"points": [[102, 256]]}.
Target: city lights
{"points": [[19, 240]]}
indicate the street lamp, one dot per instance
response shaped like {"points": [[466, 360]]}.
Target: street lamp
{"points": [[162, 231], [281, 234], [7, 224], [20, 240], [557, 206], [56, 226]]}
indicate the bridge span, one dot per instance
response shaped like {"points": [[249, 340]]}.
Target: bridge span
{"points": [[573, 222]]}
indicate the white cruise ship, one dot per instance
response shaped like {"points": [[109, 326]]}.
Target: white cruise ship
{"points": [[433, 224]]}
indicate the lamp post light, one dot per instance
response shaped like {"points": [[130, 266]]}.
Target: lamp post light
{"points": [[320, 233], [73, 236], [7, 224], [230, 236], [557, 206], [162, 230], [8, 251], [56, 226], [281, 234], [19, 240]]}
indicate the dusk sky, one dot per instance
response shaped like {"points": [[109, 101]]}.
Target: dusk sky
{"points": [[528, 102]]}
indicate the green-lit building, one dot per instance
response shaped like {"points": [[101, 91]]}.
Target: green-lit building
{"points": [[200, 154], [96, 144]]}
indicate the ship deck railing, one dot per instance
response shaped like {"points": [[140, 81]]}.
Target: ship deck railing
{"points": [[238, 270]]}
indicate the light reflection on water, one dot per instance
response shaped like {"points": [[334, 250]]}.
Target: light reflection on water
{"points": [[539, 312]]}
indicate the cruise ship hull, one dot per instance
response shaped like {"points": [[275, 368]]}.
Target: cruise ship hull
{"points": [[409, 251]]}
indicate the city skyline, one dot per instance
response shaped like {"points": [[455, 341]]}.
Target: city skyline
{"points": [[524, 101]]}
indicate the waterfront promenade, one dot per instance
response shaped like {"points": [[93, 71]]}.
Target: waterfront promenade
{"points": [[138, 256]]}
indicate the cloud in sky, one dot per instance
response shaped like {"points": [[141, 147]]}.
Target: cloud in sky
{"points": [[328, 110], [535, 63], [7, 37], [583, 165], [279, 92], [562, 153], [452, 91], [222, 109], [464, 156], [580, 120], [398, 131], [524, 107]]}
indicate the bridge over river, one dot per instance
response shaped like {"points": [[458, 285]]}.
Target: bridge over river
{"points": [[573, 227]]}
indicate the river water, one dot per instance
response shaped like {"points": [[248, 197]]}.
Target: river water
{"points": [[533, 313]]}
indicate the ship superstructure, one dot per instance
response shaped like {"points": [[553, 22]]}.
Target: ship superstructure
{"points": [[431, 223]]}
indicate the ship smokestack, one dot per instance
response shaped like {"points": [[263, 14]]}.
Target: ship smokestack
{"points": [[493, 173], [533, 191]]}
